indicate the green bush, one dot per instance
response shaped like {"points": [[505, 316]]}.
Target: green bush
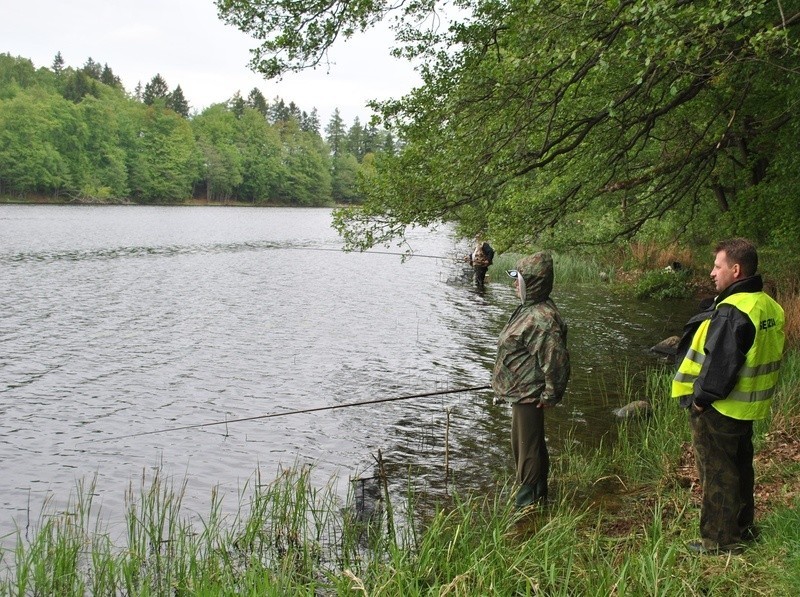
{"points": [[664, 284]]}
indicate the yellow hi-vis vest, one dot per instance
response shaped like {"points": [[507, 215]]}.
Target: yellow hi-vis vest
{"points": [[751, 397]]}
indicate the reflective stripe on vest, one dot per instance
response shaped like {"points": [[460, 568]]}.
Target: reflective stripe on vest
{"points": [[755, 385]]}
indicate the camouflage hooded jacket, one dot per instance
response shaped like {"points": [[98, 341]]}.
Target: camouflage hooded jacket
{"points": [[532, 358]]}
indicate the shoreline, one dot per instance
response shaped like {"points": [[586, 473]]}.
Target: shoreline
{"points": [[44, 200]]}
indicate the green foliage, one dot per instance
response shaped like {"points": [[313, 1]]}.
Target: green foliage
{"points": [[664, 284], [571, 122], [164, 159], [260, 147], [307, 178], [335, 133], [156, 90], [105, 174], [216, 133], [76, 134], [344, 179], [16, 74], [34, 129], [177, 101]]}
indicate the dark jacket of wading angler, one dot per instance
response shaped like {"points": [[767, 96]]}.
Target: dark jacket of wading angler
{"points": [[532, 358]]}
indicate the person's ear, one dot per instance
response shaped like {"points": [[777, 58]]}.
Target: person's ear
{"points": [[737, 270]]}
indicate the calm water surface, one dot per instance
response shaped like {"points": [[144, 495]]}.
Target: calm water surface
{"points": [[126, 320]]}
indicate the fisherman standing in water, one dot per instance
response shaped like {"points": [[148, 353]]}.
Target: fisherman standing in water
{"points": [[480, 259]]}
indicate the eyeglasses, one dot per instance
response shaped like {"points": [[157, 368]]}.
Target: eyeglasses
{"points": [[512, 273]]}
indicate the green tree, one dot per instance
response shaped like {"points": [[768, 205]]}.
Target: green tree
{"points": [[279, 111], [36, 129], [257, 101], [156, 90], [388, 144], [107, 77], [335, 133], [237, 104], [356, 138], [310, 122], [295, 112], [92, 69], [16, 73], [564, 122], [261, 151], [177, 102], [58, 64], [215, 130], [307, 178], [163, 159], [344, 179], [105, 173], [78, 84]]}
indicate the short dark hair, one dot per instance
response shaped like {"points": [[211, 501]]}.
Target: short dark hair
{"points": [[741, 251]]}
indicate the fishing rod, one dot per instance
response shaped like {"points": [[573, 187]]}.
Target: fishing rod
{"points": [[297, 412]]}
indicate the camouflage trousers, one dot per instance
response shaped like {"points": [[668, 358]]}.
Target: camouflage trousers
{"points": [[724, 452], [529, 448]]}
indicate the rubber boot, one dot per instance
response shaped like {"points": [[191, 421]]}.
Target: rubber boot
{"points": [[524, 497]]}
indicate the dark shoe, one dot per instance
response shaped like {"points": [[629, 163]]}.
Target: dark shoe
{"points": [[697, 548]]}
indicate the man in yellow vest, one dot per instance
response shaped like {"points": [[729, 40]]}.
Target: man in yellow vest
{"points": [[729, 359]]}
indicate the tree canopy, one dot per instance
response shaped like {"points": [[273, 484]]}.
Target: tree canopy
{"points": [[562, 122]]}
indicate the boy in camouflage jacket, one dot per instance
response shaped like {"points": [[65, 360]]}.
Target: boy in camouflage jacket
{"points": [[531, 372]]}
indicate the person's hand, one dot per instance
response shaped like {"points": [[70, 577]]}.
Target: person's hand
{"points": [[498, 400], [544, 404]]}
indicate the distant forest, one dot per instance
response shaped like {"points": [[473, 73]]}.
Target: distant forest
{"points": [[78, 134]]}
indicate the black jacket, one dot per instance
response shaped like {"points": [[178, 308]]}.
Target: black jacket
{"points": [[730, 336]]}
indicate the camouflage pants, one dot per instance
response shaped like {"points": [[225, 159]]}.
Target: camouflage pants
{"points": [[529, 448], [724, 451]]}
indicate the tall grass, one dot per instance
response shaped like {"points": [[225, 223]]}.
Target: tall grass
{"points": [[654, 255], [617, 526], [791, 308], [568, 269]]}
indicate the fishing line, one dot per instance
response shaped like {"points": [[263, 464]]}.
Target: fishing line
{"points": [[408, 255], [297, 412]]}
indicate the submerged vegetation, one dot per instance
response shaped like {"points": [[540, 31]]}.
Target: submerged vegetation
{"points": [[617, 526]]}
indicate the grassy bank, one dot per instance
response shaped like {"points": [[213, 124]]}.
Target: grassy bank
{"points": [[618, 525]]}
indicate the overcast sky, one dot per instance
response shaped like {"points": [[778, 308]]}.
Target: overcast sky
{"points": [[185, 42]]}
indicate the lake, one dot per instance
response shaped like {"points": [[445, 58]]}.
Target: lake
{"points": [[120, 321]]}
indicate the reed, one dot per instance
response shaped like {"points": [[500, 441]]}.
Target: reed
{"points": [[654, 254], [568, 269], [617, 525]]}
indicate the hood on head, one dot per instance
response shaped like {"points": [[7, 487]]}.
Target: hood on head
{"points": [[537, 274]]}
